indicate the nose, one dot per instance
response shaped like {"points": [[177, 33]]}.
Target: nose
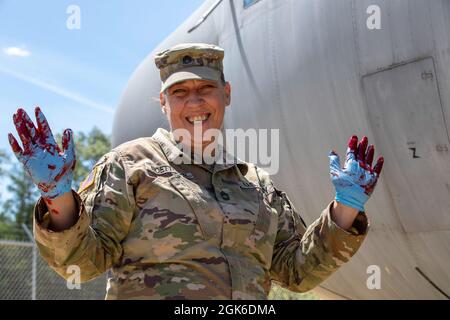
{"points": [[194, 99]]}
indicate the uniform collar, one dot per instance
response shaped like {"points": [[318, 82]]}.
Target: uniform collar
{"points": [[175, 155]]}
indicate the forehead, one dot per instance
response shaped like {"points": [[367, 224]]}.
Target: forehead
{"points": [[193, 83]]}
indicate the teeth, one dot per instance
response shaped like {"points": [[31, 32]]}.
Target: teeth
{"points": [[198, 118]]}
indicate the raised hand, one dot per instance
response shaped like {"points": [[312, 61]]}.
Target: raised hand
{"points": [[355, 182], [50, 168]]}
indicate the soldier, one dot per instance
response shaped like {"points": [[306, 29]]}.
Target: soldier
{"points": [[180, 230]]}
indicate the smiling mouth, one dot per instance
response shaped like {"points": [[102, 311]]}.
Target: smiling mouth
{"points": [[198, 118]]}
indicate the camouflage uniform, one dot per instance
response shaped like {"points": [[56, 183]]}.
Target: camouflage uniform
{"points": [[175, 231], [191, 231]]}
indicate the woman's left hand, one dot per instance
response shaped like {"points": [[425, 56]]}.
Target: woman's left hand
{"points": [[355, 182]]}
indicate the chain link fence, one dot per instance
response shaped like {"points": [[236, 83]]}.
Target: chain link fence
{"points": [[24, 275]]}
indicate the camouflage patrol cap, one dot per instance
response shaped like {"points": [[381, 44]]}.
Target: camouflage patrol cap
{"points": [[189, 61]]}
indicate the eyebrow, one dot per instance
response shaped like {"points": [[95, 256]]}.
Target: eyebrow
{"points": [[177, 85]]}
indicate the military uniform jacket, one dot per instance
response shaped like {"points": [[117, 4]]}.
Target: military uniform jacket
{"points": [[188, 231]]}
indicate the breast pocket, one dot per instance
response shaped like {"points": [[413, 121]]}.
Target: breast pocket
{"points": [[204, 207], [251, 223], [167, 223]]}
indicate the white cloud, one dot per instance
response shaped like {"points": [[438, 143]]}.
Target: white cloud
{"points": [[58, 90], [16, 52]]}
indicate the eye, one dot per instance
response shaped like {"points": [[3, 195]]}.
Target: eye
{"points": [[179, 92], [206, 88]]}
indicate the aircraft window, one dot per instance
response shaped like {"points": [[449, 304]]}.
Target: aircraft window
{"points": [[248, 3]]}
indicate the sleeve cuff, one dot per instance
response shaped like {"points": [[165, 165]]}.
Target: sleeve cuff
{"points": [[338, 244], [359, 228], [49, 238]]}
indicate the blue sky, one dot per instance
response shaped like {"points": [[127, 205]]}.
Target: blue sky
{"points": [[76, 76]]}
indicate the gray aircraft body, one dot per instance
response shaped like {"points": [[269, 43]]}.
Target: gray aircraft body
{"points": [[320, 71]]}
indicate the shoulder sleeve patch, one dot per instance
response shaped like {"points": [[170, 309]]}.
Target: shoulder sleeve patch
{"points": [[88, 182]]}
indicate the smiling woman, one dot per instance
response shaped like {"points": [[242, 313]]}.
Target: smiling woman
{"points": [[173, 229], [194, 93], [196, 105]]}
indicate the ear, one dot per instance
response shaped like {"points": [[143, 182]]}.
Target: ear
{"points": [[227, 93], [162, 101]]}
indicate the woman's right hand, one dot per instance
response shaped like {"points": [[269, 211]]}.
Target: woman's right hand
{"points": [[50, 168]]}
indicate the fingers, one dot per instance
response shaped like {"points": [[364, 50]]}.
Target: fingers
{"points": [[357, 151], [352, 148], [68, 143], [45, 133], [43, 126], [362, 146], [22, 129], [30, 126], [369, 156], [46, 138], [334, 161], [379, 165], [15, 147]]}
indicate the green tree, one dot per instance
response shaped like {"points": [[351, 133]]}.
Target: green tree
{"points": [[7, 226], [24, 194], [18, 209], [3, 159]]}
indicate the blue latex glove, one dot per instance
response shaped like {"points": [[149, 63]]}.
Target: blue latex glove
{"points": [[356, 181], [50, 168]]}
